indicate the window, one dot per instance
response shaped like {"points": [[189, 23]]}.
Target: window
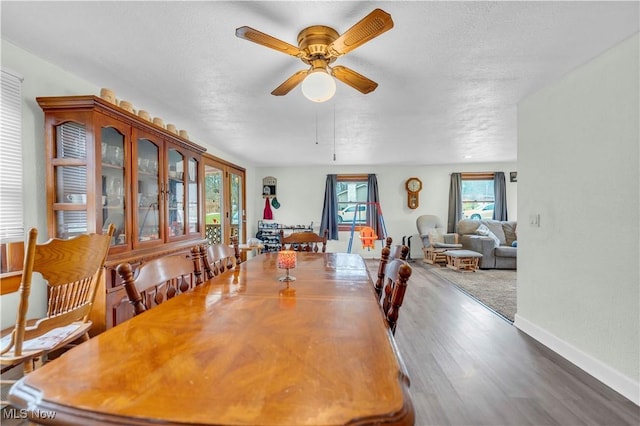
{"points": [[11, 203], [11, 195], [477, 195], [351, 190]]}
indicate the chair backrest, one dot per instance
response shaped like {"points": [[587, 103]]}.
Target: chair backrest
{"points": [[72, 270], [382, 266], [235, 242], [304, 241], [427, 223], [159, 279], [217, 258], [396, 279], [399, 251]]}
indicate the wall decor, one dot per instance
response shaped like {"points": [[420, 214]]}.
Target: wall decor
{"points": [[413, 185], [269, 187]]}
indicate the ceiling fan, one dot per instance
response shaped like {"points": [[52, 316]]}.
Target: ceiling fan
{"points": [[319, 46]]}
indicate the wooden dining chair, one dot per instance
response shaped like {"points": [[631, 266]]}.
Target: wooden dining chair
{"points": [[160, 279], [399, 251], [217, 258], [304, 241], [396, 278], [382, 266], [235, 242], [72, 270]]}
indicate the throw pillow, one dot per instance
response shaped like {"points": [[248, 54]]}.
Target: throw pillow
{"points": [[482, 230], [514, 243], [495, 226], [485, 231], [436, 236], [509, 229]]}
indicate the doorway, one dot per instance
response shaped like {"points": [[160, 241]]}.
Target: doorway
{"points": [[225, 200]]}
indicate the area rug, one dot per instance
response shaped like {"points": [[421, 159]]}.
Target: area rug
{"points": [[494, 288]]}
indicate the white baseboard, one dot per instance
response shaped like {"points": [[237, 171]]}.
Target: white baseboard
{"points": [[607, 375]]}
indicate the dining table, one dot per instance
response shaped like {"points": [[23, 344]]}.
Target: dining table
{"points": [[243, 348]]}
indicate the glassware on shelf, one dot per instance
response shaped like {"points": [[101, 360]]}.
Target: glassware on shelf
{"points": [[115, 155]]}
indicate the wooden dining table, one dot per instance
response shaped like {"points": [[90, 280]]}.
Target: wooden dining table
{"points": [[240, 349]]}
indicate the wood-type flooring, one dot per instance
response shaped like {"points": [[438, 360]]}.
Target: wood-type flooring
{"points": [[468, 366]]}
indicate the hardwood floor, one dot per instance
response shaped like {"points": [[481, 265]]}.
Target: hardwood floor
{"points": [[468, 366]]}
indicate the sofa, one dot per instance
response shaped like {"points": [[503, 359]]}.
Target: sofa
{"points": [[495, 240]]}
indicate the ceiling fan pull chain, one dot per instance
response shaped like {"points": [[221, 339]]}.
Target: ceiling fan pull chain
{"points": [[334, 131]]}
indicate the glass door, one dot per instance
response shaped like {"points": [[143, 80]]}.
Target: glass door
{"points": [[214, 203], [70, 171], [147, 187], [193, 197], [113, 183], [224, 201], [175, 193], [236, 182]]}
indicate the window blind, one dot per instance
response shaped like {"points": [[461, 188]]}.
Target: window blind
{"points": [[11, 194]]}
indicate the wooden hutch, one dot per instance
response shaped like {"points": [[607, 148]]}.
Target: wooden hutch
{"points": [[107, 165]]}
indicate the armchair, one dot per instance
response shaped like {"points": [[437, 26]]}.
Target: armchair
{"points": [[435, 240]]}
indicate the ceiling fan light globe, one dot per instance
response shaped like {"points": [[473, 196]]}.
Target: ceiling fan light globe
{"points": [[318, 86]]}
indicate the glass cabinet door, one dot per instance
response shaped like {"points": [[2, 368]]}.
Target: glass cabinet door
{"points": [[176, 193], [192, 182], [147, 188], [70, 171], [237, 205], [113, 183]]}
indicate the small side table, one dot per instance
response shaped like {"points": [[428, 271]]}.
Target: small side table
{"points": [[463, 260]]}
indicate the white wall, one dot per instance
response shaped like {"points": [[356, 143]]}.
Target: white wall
{"points": [[301, 195], [578, 279], [44, 79], [40, 79]]}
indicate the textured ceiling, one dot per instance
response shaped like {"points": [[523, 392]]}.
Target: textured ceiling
{"points": [[450, 74]]}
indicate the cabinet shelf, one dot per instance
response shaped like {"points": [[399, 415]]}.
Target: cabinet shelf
{"points": [[111, 166]]}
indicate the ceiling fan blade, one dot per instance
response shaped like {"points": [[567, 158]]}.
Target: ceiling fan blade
{"points": [[369, 27], [353, 79], [258, 37], [290, 83]]}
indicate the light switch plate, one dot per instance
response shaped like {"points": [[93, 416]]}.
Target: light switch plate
{"points": [[534, 219]]}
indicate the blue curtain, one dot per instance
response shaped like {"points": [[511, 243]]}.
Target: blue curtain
{"points": [[372, 210], [330, 209], [500, 195], [455, 202]]}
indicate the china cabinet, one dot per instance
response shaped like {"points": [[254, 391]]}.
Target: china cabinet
{"points": [[106, 165]]}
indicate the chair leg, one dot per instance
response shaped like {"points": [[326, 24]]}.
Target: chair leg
{"points": [[28, 366]]}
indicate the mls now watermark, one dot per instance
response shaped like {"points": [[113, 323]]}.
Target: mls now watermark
{"points": [[14, 413]]}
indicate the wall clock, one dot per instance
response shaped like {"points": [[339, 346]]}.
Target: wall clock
{"points": [[413, 186]]}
